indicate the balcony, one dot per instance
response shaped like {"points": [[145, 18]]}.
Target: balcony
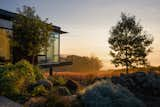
{"points": [[46, 63]]}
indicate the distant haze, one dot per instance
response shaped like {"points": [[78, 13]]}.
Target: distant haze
{"points": [[89, 21]]}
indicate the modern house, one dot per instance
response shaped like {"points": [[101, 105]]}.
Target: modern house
{"points": [[45, 59]]}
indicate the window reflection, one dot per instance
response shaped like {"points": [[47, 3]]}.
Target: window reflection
{"points": [[52, 54]]}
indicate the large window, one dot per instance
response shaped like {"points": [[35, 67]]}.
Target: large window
{"points": [[52, 54], [6, 24], [5, 34], [53, 50], [4, 44]]}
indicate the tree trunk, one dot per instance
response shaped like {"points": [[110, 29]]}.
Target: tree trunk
{"points": [[126, 69], [126, 61]]}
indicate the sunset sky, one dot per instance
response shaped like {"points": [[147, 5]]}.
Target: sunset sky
{"points": [[89, 21]]}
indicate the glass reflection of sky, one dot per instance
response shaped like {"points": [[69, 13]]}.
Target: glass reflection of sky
{"points": [[53, 49]]}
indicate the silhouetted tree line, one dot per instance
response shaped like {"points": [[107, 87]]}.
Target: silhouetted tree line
{"points": [[84, 63]]}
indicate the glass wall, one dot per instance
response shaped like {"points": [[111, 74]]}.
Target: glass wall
{"points": [[53, 49], [52, 54], [5, 34], [6, 24], [5, 44]]}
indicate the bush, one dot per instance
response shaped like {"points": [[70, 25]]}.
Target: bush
{"points": [[106, 94], [38, 73], [14, 79], [90, 79], [57, 80], [39, 90]]}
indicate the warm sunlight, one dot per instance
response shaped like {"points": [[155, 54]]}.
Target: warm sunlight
{"points": [[79, 53], [89, 22]]}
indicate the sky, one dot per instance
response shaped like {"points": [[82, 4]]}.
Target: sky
{"points": [[89, 22]]}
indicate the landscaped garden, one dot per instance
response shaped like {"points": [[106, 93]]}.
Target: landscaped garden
{"points": [[26, 84], [25, 81]]}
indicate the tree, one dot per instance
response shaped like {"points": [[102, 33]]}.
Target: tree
{"points": [[30, 35], [84, 63], [129, 44]]}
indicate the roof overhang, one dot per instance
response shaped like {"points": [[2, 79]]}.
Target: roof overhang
{"points": [[10, 16], [7, 15], [58, 30]]}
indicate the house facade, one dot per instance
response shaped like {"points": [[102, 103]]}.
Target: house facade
{"points": [[6, 22]]}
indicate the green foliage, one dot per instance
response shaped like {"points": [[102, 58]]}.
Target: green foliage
{"points": [[8, 84], [60, 80], [38, 73], [90, 79], [57, 80], [39, 90], [129, 44], [30, 31], [84, 63], [14, 79]]}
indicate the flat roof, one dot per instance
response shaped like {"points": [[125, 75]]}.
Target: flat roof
{"points": [[4, 14]]}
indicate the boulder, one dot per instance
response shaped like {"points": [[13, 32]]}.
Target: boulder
{"points": [[72, 85], [63, 91], [115, 79], [106, 94], [145, 83], [153, 74], [131, 83], [5, 102], [36, 102], [140, 74], [140, 77]]}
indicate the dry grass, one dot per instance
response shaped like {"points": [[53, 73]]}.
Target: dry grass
{"points": [[87, 78], [84, 75], [90, 75]]}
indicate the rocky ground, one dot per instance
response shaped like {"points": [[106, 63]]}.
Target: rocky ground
{"points": [[144, 85], [139, 89]]}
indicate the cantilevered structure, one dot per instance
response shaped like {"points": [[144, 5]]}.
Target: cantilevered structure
{"points": [[45, 59]]}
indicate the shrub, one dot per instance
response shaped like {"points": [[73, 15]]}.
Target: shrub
{"points": [[8, 84], [39, 90], [38, 73], [106, 94], [59, 80], [90, 79], [14, 79]]}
